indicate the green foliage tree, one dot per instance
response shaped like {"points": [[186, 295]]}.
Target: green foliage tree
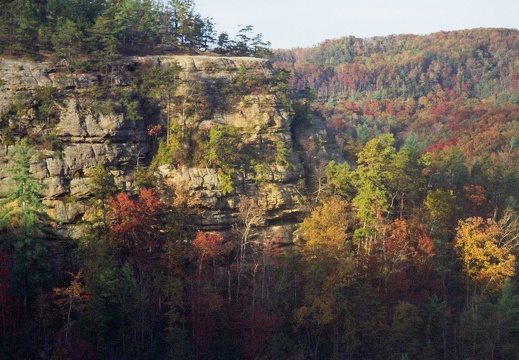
{"points": [[182, 16], [405, 332], [104, 42], [449, 170], [109, 319], [135, 25], [27, 226], [160, 82], [408, 185], [81, 12], [224, 147], [437, 321], [243, 40], [169, 282], [498, 179], [207, 34], [26, 217], [505, 340], [371, 179], [260, 47], [66, 41], [24, 25], [223, 42], [443, 211], [339, 178], [102, 183], [187, 28], [103, 187]]}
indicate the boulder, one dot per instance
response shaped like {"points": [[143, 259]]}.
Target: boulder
{"points": [[54, 187], [80, 188]]}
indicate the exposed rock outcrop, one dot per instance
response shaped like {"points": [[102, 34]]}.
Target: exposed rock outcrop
{"points": [[88, 138]]}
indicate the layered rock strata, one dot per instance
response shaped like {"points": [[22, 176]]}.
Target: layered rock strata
{"points": [[88, 138]]}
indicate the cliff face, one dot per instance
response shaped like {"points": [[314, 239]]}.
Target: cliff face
{"points": [[287, 155]]}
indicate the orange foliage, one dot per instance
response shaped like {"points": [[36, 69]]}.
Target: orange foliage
{"points": [[135, 220], [409, 244], [211, 246], [408, 263]]}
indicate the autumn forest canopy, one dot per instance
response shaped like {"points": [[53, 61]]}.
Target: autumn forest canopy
{"points": [[447, 88], [405, 240]]}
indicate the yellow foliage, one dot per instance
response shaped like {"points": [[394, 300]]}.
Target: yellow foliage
{"points": [[329, 268], [325, 232], [483, 260]]}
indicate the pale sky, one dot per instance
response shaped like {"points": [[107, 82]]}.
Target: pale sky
{"points": [[302, 23]]}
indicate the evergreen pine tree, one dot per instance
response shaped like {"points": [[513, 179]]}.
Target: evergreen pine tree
{"points": [[25, 222], [24, 215]]}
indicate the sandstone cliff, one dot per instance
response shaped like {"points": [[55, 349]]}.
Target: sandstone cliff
{"points": [[86, 137]]}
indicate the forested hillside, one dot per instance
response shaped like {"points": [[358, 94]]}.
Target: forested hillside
{"points": [[427, 209], [445, 87], [355, 200]]}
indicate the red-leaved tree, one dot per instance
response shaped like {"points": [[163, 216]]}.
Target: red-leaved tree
{"points": [[135, 223]]}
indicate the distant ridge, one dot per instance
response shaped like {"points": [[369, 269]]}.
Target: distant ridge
{"points": [[418, 83]]}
